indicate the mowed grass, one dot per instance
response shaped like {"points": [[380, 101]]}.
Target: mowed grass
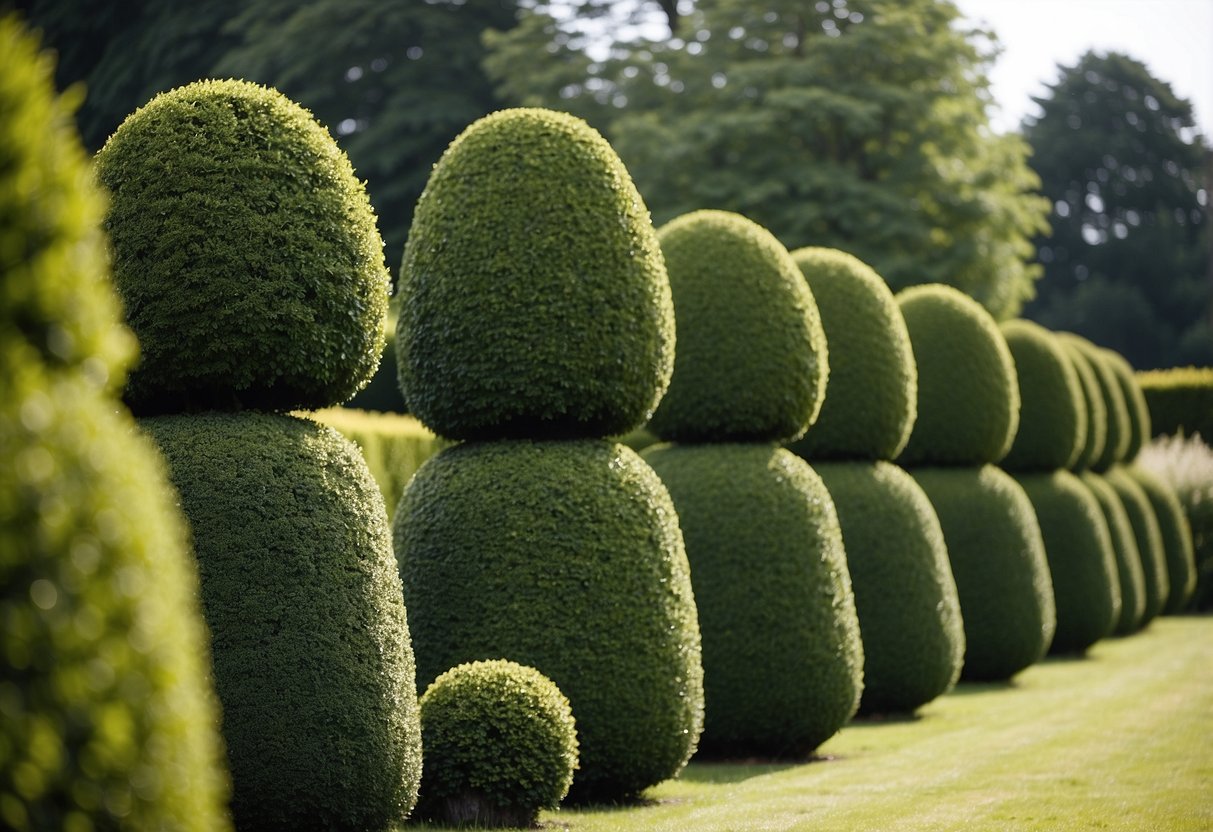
{"points": [[1119, 740]]}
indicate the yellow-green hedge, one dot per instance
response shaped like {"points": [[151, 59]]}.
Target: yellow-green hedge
{"points": [[1180, 400]]}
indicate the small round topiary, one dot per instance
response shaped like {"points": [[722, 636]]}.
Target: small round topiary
{"points": [[998, 559], [872, 397], [534, 300], [312, 660], [1082, 564], [1135, 403], [751, 364], [565, 556], [1093, 401], [1129, 574], [500, 744], [905, 595], [1149, 540], [968, 396], [782, 657], [1176, 538], [1053, 416], [245, 251], [1119, 430]]}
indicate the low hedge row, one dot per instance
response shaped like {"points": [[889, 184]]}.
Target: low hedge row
{"points": [[1180, 400]]}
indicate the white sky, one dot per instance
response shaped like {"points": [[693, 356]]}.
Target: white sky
{"points": [[1173, 38]]}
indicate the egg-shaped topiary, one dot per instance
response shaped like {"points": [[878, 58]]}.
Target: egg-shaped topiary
{"points": [[999, 562], [872, 395], [1136, 409], [751, 364], [1149, 540], [1082, 564], [565, 556], [1129, 574], [1053, 415], [1176, 537], [534, 300], [245, 251], [312, 660], [782, 657], [1118, 430], [968, 396], [1093, 403], [500, 744], [905, 595]]}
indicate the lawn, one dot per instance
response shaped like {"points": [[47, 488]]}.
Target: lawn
{"points": [[1120, 740]]}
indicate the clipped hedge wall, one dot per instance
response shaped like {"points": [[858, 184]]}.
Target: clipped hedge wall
{"points": [[1129, 573], [1082, 564], [1119, 430], [245, 251], [782, 657], [500, 744], [751, 364], [905, 595], [534, 300], [1176, 538], [1136, 408], [1053, 416], [1186, 464], [1149, 540], [1180, 400], [311, 647], [1097, 409], [968, 396], [999, 562], [565, 556]]}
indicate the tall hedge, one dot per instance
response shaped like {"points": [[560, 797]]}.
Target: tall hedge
{"points": [[751, 363], [534, 297], [1176, 538], [968, 396], [1119, 429], [245, 252], [998, 559], [1053, 416], [565, 556], [1180, 400], [1149, 540], [1129, 573], [782, 656], [311, 650], [872, 395], [1096, 408]]}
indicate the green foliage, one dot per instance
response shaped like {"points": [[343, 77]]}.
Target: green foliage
{"points": [[500, 744], [968, 395], [1149, 540], [782, 657], [872, 396], [1176, 538], [1119, 431], [1180, 400], [1082, 563], [905, 595], [1093, 401], [382, 393], [1186, 464], [1136, 407], [999, 562], [245, 251], [1129, 572], [567, 557], [751, 363], [312, 660], [534, 300], [1052, 416]]}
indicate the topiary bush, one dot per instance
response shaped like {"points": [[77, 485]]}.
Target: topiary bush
{"points": [[1136, 409], [1180, 400], [905, 595], [1053, 416], [1119, 430], [968, 396], [565, 556], [1093, 400], [782, 657], [1176, 538], [534, 300], [245, 251], [1149, 540], [751, 364], [311, 649], [500, 744], [1186, 464], [1129, 571], [999, 563], [1082, 564], [872, 396]]}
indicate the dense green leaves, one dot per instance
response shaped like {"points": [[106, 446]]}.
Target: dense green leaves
{"points": [[1129, 571], [1136, 408], [1053, 416], [1149, 540], [1180, 400], [1176, 537], [1118, 430], [1093, 402]]}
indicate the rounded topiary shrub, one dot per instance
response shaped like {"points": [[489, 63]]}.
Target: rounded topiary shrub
{"points": [[998, 559], [1082, 564], [872, 395], [905, 595], [312, 660], [751, 362], [1119, 431], [500, 744], [565, 556], [245, 251], [1093, 401], [1176, 538], [782, 657], [1149, 540], [534, 300], [1136, 409], [968, 396], [1129, 574], [1053, 416]]}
